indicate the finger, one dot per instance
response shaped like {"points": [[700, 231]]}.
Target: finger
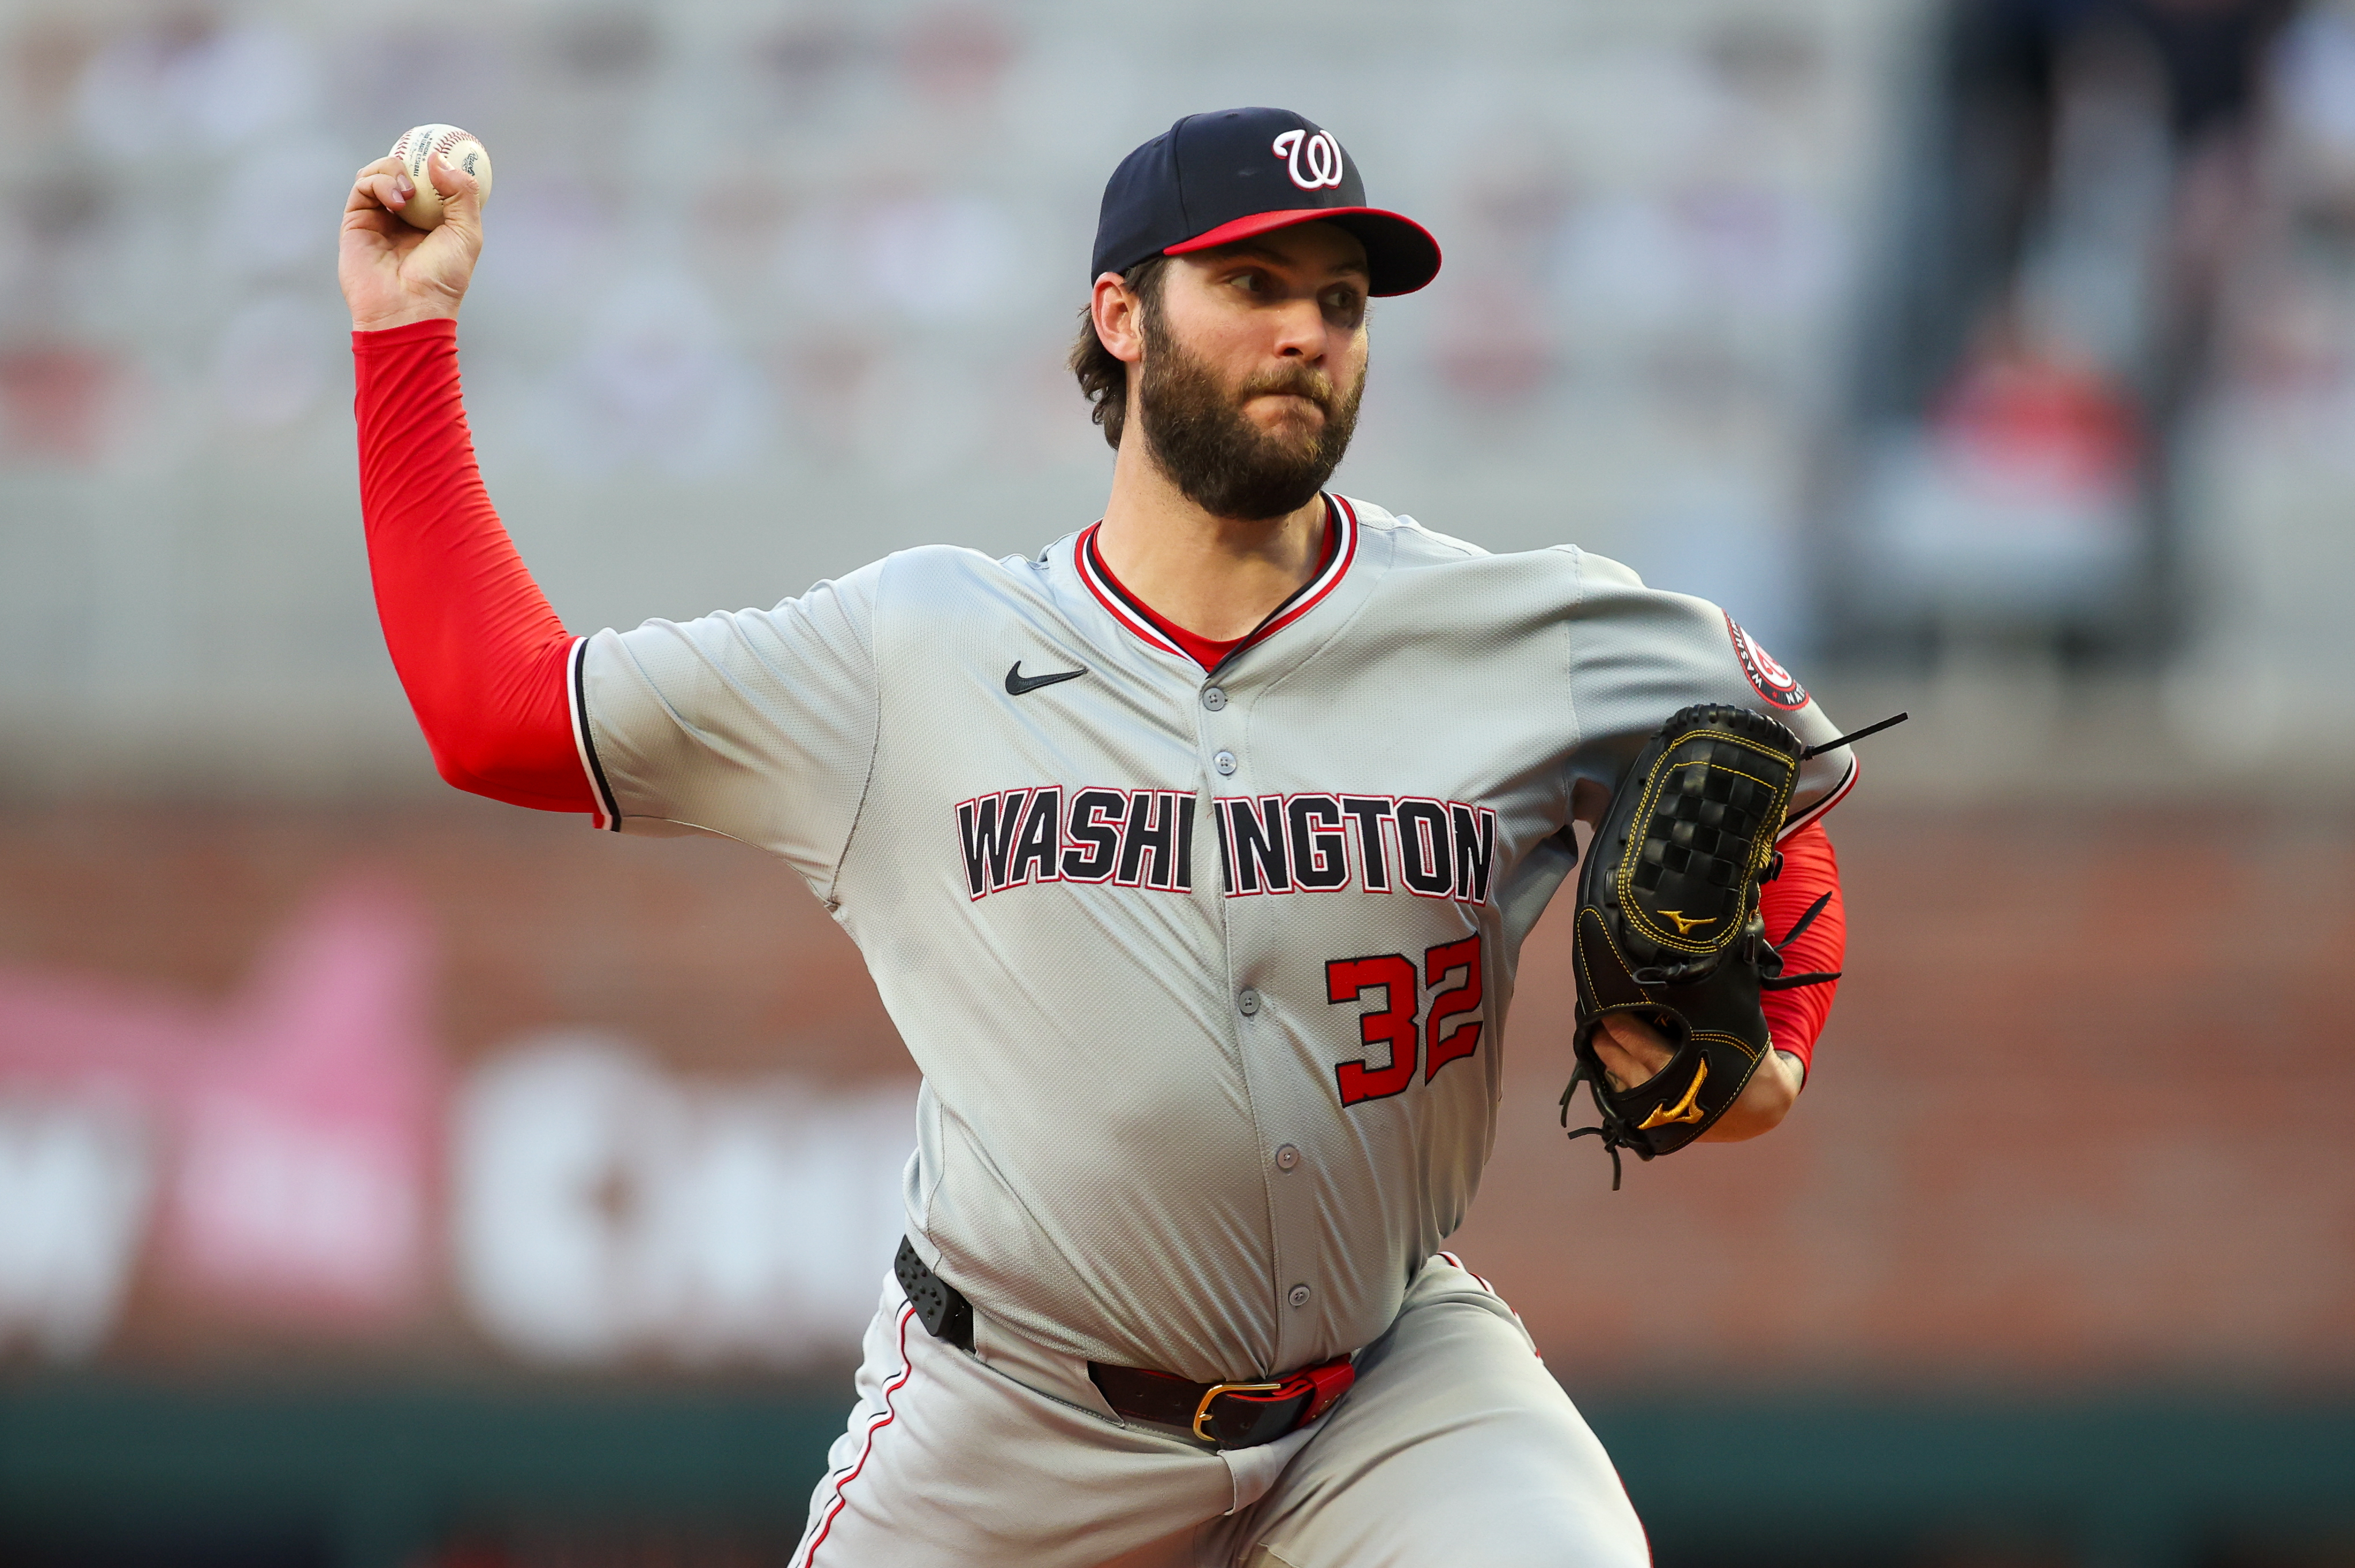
{"points": [[448, 178], [367, 173], [373, 221], [388, 188], [462, 198], [1638, 1038], [1629, 1050], [1624, 1071]]}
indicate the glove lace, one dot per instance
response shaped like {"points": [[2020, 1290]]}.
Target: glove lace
{"points": [[1778, 981], [1614, 1130]]}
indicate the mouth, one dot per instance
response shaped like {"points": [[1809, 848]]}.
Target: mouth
{"points": [[1291, 403]]}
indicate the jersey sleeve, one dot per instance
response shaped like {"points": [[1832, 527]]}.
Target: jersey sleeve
{"points": [[1637, 655], [757, 725], [483, 659], [1807, 918]]}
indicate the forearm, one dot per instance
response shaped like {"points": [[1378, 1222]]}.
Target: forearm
{"points": [[480, 653], [1765, 1100], [1794, 1017], [1810, 873]]}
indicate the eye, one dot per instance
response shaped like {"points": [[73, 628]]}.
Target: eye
{"points": [[1345, 304]]}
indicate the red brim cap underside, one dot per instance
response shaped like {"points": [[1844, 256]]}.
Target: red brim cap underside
{"points": [[1400, 252]]}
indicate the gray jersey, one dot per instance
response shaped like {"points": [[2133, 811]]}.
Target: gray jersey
{"points": [[1207, 974]]}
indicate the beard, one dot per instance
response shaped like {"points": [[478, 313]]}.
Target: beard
{"points": [[1212, 451]]}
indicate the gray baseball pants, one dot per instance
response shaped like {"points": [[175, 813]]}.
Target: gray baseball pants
{"points": [[1456, 1445]]}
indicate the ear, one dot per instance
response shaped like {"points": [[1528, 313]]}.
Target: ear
{"points": [[1119, 318]]}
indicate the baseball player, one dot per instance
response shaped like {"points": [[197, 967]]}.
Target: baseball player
{"points": [[1192, 858]]}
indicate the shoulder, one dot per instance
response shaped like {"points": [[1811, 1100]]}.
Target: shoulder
{"points": [[930, 578], [1611, 589], [1411, 543], [1611, 593], [932, 575], [1611, 597], [1448, 578], [1641, 653], [1580, 583], [954, 565]]}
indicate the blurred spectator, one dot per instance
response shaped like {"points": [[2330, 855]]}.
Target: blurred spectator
{"points": [[191, 83], [2014, 505], [605, 44], [2088, 169], [57, 401], [956, 52], [2273, 453]]}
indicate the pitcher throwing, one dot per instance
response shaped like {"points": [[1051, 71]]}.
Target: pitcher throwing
{"points": [[1192, 858]]}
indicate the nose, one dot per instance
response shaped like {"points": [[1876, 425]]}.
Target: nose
{"points": [[1300, 330]]}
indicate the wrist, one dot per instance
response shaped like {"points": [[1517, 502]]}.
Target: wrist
{"points": [[438, 334], [408, 316]]}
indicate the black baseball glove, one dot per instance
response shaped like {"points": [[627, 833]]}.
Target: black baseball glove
{"points": [[1669, 928]]}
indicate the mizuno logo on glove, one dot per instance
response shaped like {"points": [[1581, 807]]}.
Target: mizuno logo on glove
{"points": [[1684, 1110]]}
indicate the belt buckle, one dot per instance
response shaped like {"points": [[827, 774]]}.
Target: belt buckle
{"points": [[1202, 1411]]}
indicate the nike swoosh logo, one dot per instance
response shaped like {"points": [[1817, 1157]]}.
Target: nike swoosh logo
{"points": [[1017, 683]]}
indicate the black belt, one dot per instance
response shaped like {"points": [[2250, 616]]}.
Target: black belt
{"points": [[939, 1306], [1224, 1415]]}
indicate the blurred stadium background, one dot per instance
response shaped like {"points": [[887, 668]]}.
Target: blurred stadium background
{"points": [[393, 1179]]}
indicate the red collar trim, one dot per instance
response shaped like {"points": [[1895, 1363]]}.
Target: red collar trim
{"points": [[1340, 550], [1143, 623]]}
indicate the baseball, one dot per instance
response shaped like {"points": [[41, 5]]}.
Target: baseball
{"points": [[458, 148]]}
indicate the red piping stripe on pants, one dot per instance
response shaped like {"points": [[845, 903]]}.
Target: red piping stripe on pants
{"points": [[808, 1554]]}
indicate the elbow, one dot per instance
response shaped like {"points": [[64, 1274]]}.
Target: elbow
{"points": [[502, 726], [543, 778], [473, 765], [459, 769]]}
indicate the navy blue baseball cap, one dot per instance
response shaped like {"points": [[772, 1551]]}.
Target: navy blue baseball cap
{"points": [[1212, 179]]}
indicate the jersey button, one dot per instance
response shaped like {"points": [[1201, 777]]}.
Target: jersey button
{"points": [[1224, 761], [1214, 697], [1249, 1002], [1298, 1296], [1287, 1158]]}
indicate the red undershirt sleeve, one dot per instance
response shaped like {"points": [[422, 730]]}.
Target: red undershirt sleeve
{"points": [[1810, 871], [484, 658]]}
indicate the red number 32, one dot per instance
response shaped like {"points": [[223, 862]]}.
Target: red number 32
{"points": [[1391, 1029]]}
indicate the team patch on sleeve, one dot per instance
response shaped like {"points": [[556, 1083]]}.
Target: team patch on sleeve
{"points": [[1769, 679]]}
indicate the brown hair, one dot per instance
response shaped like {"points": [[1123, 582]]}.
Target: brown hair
{"points": [[1104, 380]]}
